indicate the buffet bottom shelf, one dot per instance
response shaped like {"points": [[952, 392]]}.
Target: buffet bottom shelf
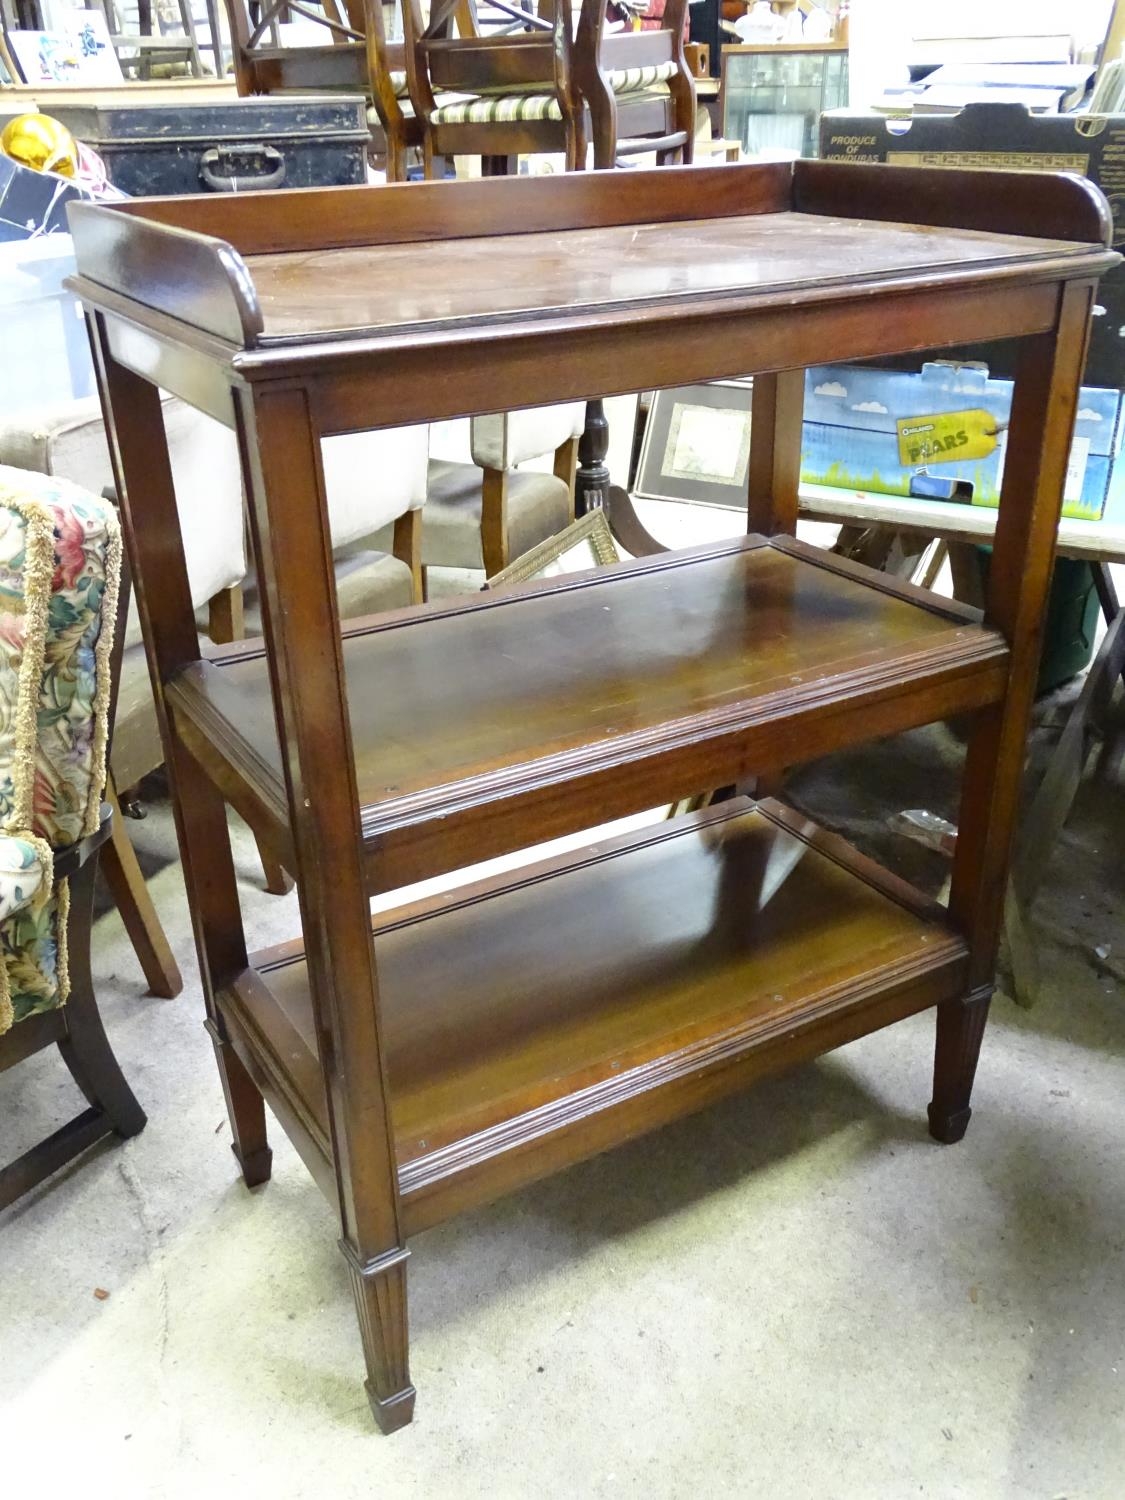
{"points": [[548, 1014]]}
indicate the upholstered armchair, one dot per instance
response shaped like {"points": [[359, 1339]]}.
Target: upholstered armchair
{"points": [[60, 569]]}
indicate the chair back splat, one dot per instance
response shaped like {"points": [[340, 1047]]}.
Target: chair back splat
{"points": [[358, 56]]}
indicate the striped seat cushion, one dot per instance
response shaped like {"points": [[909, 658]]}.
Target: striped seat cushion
{"points": [[496, 108], [628, 80], [406, 109], [491, 108]]}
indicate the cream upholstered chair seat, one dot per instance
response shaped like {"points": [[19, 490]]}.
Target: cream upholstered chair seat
{"points": [[512, 489], [369, 581], [372, 478], [375, 481], [538, 506], [68, 441]]}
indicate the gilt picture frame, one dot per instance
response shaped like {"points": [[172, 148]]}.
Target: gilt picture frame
{"points": [[586, 543]]}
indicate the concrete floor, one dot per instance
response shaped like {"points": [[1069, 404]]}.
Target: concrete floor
{"points": [[793, 1294]]}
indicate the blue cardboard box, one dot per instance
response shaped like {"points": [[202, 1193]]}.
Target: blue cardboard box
{"points": [[942, 434]]}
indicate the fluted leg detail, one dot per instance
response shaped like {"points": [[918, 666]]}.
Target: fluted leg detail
{"points": [[960, 1029], [379, 1288]]}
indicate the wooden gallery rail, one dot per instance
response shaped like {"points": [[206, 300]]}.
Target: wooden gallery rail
{"points": [[450, 1052]]}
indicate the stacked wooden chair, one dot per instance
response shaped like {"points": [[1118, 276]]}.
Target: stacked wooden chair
{"points": [[534, 85], [543, 89], [60, 569], [357, 57]]}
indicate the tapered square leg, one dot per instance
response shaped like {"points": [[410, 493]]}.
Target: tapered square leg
{"points": [[380, 1299], [960, 1030], [246, 1110]]}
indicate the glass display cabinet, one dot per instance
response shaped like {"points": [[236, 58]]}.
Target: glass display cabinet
{"points": [[773, 96]]}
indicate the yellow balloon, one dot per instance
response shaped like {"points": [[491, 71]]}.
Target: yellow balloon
{"points": [[40, 142]]}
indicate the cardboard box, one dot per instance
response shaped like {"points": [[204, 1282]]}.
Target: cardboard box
{"points": [[942, 435], [46, 350], [1008, 137]]}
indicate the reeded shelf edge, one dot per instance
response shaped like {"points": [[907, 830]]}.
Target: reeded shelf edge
{"points": [[729, 713], [907, 960]]}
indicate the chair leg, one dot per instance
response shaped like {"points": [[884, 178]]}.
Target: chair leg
{"points": [[85, 1048], [380, 1300], [224, 616], [575, 150], [494, 520], [566, 467], [131, 897], [396, 158], [964, 566], [279, 882], [407, 547], [592, 480], [603, 131]]}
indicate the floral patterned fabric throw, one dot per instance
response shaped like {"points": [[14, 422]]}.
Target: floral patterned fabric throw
{"points": [[60, 569]]}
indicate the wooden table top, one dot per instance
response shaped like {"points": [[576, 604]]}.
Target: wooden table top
{"points": [[287, 278], [398, 286]]}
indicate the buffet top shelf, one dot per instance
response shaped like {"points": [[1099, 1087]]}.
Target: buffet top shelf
{"points": [[613, 267], [345, 266]]}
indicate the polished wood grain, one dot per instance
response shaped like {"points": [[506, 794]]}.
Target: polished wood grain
{"points": [[403, 287], [777, 409], [129, 889], [510, 1054], [1044, 401], [163, 594], [646, 680], [1011, 202]]}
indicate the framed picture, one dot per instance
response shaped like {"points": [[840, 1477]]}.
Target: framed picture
{"points": [[696, 445], [79, 52], [587, 543]]}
